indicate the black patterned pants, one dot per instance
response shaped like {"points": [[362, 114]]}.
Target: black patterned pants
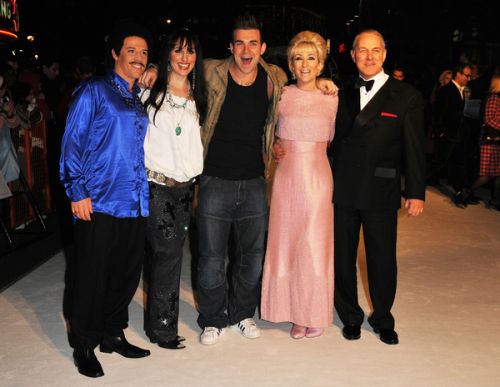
{"points": [[167, 226]]}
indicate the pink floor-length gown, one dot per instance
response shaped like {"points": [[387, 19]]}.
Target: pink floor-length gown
{"points": [[297, 283]]}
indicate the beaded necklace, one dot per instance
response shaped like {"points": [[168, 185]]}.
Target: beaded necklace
{"points": [[174, 105]]}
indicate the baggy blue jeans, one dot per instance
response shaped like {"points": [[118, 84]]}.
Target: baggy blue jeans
{"points": [[240, 205]]}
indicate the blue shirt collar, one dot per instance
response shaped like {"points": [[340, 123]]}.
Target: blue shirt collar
{"points": [[124, 84]]}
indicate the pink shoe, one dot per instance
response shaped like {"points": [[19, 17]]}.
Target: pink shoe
{"points": [[298, 332], [314, 332]]}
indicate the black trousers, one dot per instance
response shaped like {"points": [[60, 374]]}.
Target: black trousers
{"points": [[379, 232], [459, 157], [444, 151], [167, 227], [109, 253]]}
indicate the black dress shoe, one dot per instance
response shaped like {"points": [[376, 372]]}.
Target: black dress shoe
{"points": [[493, 204], [120, 345], [87, 363], [472, 199], [459, 200], [388, 336], [351, 332]]}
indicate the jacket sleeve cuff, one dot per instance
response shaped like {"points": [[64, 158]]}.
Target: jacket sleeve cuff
{"points": [[77, 192]]}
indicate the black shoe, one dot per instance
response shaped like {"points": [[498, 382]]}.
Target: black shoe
{"points": [[351, 332], [172, 344], [472, 199], [120, 345], [179, 339], [493, 204], [388, 336], [87, 363], [459, 200]]}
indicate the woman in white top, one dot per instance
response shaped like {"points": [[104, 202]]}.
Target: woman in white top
{"points": [[176, 107]]}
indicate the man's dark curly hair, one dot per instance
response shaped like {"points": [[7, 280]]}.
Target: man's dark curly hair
{"points": [[121, 31]]}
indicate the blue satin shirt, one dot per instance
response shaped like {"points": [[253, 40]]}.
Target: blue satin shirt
{"points": [[102, 154]]}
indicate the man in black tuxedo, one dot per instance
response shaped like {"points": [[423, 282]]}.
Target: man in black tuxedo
{"points": [[455, 144], [379, 135]]}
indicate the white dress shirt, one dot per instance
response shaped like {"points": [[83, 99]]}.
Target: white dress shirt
{"points": [[460, 88], [366, 96]]}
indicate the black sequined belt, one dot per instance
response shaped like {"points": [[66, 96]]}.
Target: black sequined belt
{"points": [[168, 181]]}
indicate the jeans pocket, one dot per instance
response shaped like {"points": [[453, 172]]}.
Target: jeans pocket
{"points": [[204, 180]]}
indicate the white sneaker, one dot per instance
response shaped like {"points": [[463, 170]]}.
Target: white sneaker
{"points": [[247, 328], [210, 335]]}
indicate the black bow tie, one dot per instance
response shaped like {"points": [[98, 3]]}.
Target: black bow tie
{"points": [[367, 84]]}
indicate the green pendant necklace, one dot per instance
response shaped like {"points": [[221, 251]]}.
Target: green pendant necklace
{"points": [[173, 104], [178, 128]]}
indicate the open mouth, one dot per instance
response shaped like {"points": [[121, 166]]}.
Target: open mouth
{"points": [[246, 61]]}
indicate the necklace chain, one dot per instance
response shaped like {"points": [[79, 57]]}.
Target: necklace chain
{"points": [[243, 83], [175, 105]]}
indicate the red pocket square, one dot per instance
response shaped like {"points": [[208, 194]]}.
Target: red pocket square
{"points": [[385, 114]]}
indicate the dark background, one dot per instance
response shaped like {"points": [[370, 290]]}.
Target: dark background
{"points": [[424, 37]]}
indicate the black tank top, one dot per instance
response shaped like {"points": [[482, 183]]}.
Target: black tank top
{"points": [[235, 151]]}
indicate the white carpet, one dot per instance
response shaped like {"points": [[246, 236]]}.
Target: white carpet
{"points": [[447, 315]]}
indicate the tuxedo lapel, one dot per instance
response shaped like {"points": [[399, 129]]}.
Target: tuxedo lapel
{"points": [[373, 107], [352, 95]]}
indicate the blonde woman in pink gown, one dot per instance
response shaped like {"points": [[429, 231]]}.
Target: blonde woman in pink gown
{"points": [[297, 283]]}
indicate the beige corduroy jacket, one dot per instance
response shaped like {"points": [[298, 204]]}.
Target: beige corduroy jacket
{"points": [[216, 73]]}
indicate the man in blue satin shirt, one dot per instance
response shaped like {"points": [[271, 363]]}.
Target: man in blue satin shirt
{"points": [[102, 169]]}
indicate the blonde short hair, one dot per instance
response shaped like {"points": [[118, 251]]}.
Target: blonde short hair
{"points": [[443, 76], [307, 38], [495, 84]]}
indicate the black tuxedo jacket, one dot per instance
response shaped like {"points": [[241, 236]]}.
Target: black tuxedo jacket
{"points": [[373, 147], [447, 112]]}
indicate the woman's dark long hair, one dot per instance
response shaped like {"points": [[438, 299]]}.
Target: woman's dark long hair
{"points": [[159, 89]]}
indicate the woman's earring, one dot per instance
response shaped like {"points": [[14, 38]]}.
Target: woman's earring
{"points": [[169, 68], [193, 81]]}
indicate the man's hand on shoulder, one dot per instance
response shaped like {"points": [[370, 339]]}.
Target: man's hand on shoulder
{"points": [[327, 86]]}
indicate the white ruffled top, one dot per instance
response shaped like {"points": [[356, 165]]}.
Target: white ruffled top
{"points": [[177, 156]]}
